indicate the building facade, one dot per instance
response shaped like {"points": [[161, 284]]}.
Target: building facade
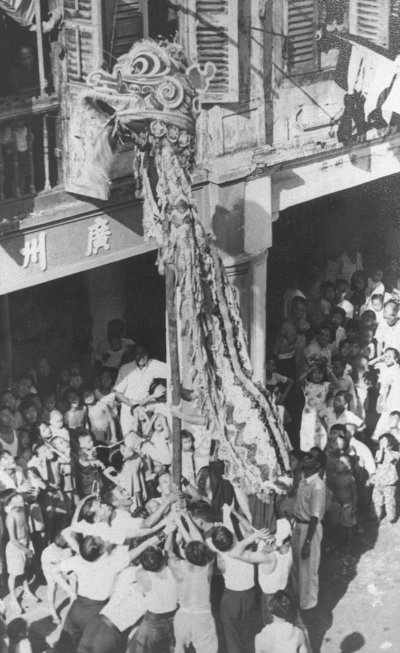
{"points": [[72, 249]]}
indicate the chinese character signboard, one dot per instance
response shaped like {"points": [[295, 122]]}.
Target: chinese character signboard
{"points": [[60, 249]]}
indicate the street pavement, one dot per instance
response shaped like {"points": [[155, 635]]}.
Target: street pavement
{"points": [[358, 606]]}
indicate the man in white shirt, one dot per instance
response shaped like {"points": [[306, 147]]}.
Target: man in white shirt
{"points": [[388, 331], [107, 632], [133, 384], [338, 413], [308, 512]]}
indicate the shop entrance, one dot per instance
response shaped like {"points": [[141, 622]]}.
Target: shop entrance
{"points": [[306, 236], [63, 320]]}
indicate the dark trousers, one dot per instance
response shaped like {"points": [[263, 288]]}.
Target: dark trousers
{"points": [[237, 611], [154, 635], [81, 612], [266, 614], [102, 637]]}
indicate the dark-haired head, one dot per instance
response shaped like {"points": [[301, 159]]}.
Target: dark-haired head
{"points": [[90, 547], [152, 559], [17, 629], [283, 606], [222, 538], [198, 553]]}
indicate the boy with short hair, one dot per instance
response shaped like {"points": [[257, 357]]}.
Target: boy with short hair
{"points": [[188, 471], [193, 623], [385, 479], [19, 549], [341, 293]]}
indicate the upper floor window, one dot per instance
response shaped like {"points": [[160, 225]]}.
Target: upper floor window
{"points": [[301, 24], [97, 32], [377, 21], [25, 68]]}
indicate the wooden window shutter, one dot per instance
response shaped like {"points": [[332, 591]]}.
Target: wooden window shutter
{"points": [[83, 38], [301, 49], [125, 21], [370, 19], [216, 38]]}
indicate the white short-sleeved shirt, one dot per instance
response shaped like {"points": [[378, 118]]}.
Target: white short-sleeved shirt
{"points": [[96, 579], [388, 336], [310, 498], [135, 384], [127, 604], [347, 417]]}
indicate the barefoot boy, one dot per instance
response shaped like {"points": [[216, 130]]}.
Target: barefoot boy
{"points": [[19, 549]]}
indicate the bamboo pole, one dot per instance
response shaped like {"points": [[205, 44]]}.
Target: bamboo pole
{"points": [[175, 372]]}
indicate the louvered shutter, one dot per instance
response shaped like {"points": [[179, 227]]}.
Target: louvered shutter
{"points": [[126, 21], [370, 19], [83, 38], [216, 39], [301, 26]]}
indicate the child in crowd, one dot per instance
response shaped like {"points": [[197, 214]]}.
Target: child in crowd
{"points": [[57, 427], [385, 479], [49, 404], [7, 400], [131, 469], [277, 383], [338, 320], [188, 468], [341, 381], [343, 509], [375, 283], [362, 385], [103, 391], [158, 447], [88, 467], [24, 448], [375, 305], [30, 416], [315, 388], [368, 343], [368, 320], [17, 631], [8, 435], [327, 293], [19, 550], [282, 634], [341, 293], [99, 419], [358, 285], [75, 416], [51, 557], [394, 424]]}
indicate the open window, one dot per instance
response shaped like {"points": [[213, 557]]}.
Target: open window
{"points": [[25, 68]]}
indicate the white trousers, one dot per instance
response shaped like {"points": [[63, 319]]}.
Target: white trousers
{"points": [[305, 572]]}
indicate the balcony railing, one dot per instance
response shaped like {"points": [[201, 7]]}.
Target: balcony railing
{"points": [[29, 156]]}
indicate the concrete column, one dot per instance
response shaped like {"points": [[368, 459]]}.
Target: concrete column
{"points": [[257, 240]]}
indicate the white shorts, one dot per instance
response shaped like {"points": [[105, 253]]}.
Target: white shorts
{"points": [[16, 560]]}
